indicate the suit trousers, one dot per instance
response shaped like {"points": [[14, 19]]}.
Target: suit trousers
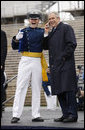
{"points": [[68, 104], [29, 70]]}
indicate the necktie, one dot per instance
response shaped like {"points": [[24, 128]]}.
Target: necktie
{"points": [[51, 32], [53, 29]]}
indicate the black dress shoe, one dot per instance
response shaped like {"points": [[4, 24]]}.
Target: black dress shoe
{"points": [[70, 119], [15, 120], [60, 119], [38, 119]]}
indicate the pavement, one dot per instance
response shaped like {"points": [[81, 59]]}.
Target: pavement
{"points": [[48, 115]]}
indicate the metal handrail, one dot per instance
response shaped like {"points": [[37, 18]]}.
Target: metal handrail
{"points": [[8, 81], [8, 100], [6, 84]]}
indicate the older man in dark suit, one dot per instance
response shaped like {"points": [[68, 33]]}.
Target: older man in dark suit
{"points": [[61, 43], [3, 58]]}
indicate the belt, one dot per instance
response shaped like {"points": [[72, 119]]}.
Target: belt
{"points": [[43, 62]]}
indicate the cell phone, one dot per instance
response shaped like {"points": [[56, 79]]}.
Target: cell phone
{"points": [[48, 25]]}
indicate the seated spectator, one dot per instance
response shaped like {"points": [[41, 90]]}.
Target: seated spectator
{"points": [[80, 98], [80, 92]]}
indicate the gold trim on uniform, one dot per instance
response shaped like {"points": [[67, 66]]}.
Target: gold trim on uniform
{"points": [[43, 62]]}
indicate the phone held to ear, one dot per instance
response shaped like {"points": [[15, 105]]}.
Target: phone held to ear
{"points": [[47, 25]]}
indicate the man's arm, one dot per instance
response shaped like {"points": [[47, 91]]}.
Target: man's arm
{"points": [[46, 37], [15, 40], [45, 43], [70, 41], [15, 43]]}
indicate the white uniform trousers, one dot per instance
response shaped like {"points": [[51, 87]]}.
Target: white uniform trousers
{"points": [[29, 68], [50, 100]]}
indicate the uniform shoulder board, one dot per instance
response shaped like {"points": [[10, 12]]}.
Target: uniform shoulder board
{"points": [[26, 29], [22, 29]]}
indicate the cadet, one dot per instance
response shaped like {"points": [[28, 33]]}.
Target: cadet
{"points": [[29, 42]]}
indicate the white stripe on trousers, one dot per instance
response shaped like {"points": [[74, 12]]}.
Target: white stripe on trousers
{"points": [[29, 67]]}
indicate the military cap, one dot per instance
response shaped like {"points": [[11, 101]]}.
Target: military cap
{"points": [[34, 15]]}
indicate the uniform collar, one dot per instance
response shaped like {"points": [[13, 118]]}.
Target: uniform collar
{"points": [[33, 28]]}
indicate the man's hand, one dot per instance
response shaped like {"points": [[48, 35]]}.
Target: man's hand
{"points": [[19, 36], [47, 28]]}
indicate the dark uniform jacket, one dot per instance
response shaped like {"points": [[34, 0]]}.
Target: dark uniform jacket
{"points": [[61, 44], [31, 42]]}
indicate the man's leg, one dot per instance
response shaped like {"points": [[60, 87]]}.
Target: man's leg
{"points": [[36, 87], [72, 107], [64, 106], [51, 100], [72, 104], [2, 89], [23, 79]]}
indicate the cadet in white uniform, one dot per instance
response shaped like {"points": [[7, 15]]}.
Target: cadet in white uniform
{"points": [[29, 42]]}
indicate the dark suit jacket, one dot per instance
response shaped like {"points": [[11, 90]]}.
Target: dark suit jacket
{"points": [[3, 48], [3, 58], [61, 44]]}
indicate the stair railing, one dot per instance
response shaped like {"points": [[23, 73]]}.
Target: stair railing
{"points": [[8, 81]]}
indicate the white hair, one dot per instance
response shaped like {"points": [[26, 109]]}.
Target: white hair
{"points": [[57, 15]]}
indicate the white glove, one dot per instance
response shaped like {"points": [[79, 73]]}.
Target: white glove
{"points": [[19, 36]]}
